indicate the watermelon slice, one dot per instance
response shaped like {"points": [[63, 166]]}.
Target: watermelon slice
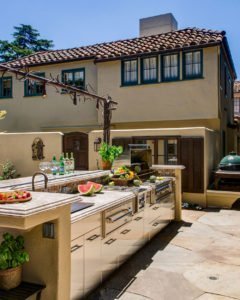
{"points": [[86, 189], [97, 186]]}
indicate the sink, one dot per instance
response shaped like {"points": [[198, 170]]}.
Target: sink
{"points": [[77, 206]]}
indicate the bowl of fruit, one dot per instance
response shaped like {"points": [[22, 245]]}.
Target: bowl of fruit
{"points": [[122, 176], [16, 196]]}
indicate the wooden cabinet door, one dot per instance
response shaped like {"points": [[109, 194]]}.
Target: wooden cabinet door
{"points": [[192, 157], [77, 266]]}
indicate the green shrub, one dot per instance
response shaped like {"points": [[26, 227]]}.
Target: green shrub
{"points": [[8, 171], [12, 253]]}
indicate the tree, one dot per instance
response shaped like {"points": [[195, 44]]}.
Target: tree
{"points": [[26, 41]]}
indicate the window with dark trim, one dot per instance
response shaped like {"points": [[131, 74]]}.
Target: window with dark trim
{"points": [[149, 70], [193, 64], [33, 87], [5, 87], [170, 67], [130, 72], [75, 77]]}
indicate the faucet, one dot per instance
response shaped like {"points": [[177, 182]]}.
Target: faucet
{"points": [[45, 180]]}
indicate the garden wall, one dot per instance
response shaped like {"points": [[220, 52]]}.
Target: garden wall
{"points": [[17, 147]]}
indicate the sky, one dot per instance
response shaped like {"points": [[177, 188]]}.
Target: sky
{"points": [[77, 23]]}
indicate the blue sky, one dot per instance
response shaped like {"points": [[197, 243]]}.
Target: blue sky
{"points": [[77, 22]]}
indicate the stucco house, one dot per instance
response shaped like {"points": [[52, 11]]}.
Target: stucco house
{"points": [[165, 78]]}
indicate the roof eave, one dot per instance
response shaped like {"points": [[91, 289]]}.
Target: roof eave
{"points": [[157, 52], [52, 63]]}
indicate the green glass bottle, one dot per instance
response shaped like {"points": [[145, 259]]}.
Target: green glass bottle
{"points": [[54, 165], [61, 165]]}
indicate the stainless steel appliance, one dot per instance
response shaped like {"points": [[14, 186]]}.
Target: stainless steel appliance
{"points": [[117, 216], [141, 194], [160, 189], [138, 155]]}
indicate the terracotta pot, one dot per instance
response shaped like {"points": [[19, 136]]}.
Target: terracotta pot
{"points": [[10, 278], [106, 165]]}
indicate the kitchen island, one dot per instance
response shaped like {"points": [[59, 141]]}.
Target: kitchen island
{"points": [[72, 253]]}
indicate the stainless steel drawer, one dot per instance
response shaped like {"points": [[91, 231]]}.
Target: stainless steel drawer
{"points": [[85, 225]]}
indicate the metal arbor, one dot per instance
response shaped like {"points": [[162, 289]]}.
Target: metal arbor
{"points": [[106, 103]]}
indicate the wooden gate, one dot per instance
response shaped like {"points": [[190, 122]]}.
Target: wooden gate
{"points": [[77, 142]]}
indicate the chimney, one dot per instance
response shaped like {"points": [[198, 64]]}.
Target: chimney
{"points": [[157, 24]]}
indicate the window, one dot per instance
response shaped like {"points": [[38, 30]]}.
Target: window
{"points": [[170, 67], [164, 149], [192, 64], [149, 70], [237, 106], [75, 77], [34, 88], [5, 87], [130, 72]]}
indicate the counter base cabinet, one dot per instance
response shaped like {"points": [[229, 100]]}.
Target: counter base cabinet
{"points": [[131, 237], [92, 260], [110, 252], [158, 215], [77, 271]]}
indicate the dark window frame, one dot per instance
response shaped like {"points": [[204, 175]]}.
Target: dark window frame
{"points": [[26, 83], [124, 83], [184, 65], [145, 81], [73, 71], [1, 87], [163, 79]]}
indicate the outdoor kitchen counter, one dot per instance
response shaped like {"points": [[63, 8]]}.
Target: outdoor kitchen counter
{"points": [[45, 224], [101, 201], [53, 180], [40, 203]]}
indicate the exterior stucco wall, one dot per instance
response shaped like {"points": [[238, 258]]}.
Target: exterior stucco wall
{"points": [[54, 112], [17, 147], [179, 100], [196, 131]]}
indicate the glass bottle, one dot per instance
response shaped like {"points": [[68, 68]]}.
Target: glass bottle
{"points": [[72, 162]]}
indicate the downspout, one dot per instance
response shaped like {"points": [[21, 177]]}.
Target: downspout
{"points": [[219, 101]]}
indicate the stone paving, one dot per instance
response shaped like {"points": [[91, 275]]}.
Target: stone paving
{"points": [[198, 259]]}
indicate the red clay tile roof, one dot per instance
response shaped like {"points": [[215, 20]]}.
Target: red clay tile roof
{"points": [[180, 39]]}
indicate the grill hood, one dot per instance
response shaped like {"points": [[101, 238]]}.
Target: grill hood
{"points": [[230, 162]]}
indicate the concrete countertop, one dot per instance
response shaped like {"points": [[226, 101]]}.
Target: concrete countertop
{"points": [[168, 167], [101, 202], [41, 202], [53, 180]]}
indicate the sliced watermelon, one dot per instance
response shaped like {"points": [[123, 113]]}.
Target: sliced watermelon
{"points": [[97, 186], [86, 189]]}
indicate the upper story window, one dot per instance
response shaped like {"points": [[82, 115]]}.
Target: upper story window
{"points": [[170, 67], [192, 64], [5, 87], [33, 87], [129, 72], [237, 106], [149, 70], [75, 77]]}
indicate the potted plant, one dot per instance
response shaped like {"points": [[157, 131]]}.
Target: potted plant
{"points": [[12, 257], [109, 154]]}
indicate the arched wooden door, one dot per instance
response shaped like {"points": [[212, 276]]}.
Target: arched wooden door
{"points": [[77, 142]]}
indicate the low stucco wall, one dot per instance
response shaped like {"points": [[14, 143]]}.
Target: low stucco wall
{"points": [[17, 147]]}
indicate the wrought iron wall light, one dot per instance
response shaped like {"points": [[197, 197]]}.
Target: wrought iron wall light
{"points": [[97, 143]]}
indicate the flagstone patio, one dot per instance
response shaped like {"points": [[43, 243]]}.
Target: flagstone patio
{"points": [[198, 258]]}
